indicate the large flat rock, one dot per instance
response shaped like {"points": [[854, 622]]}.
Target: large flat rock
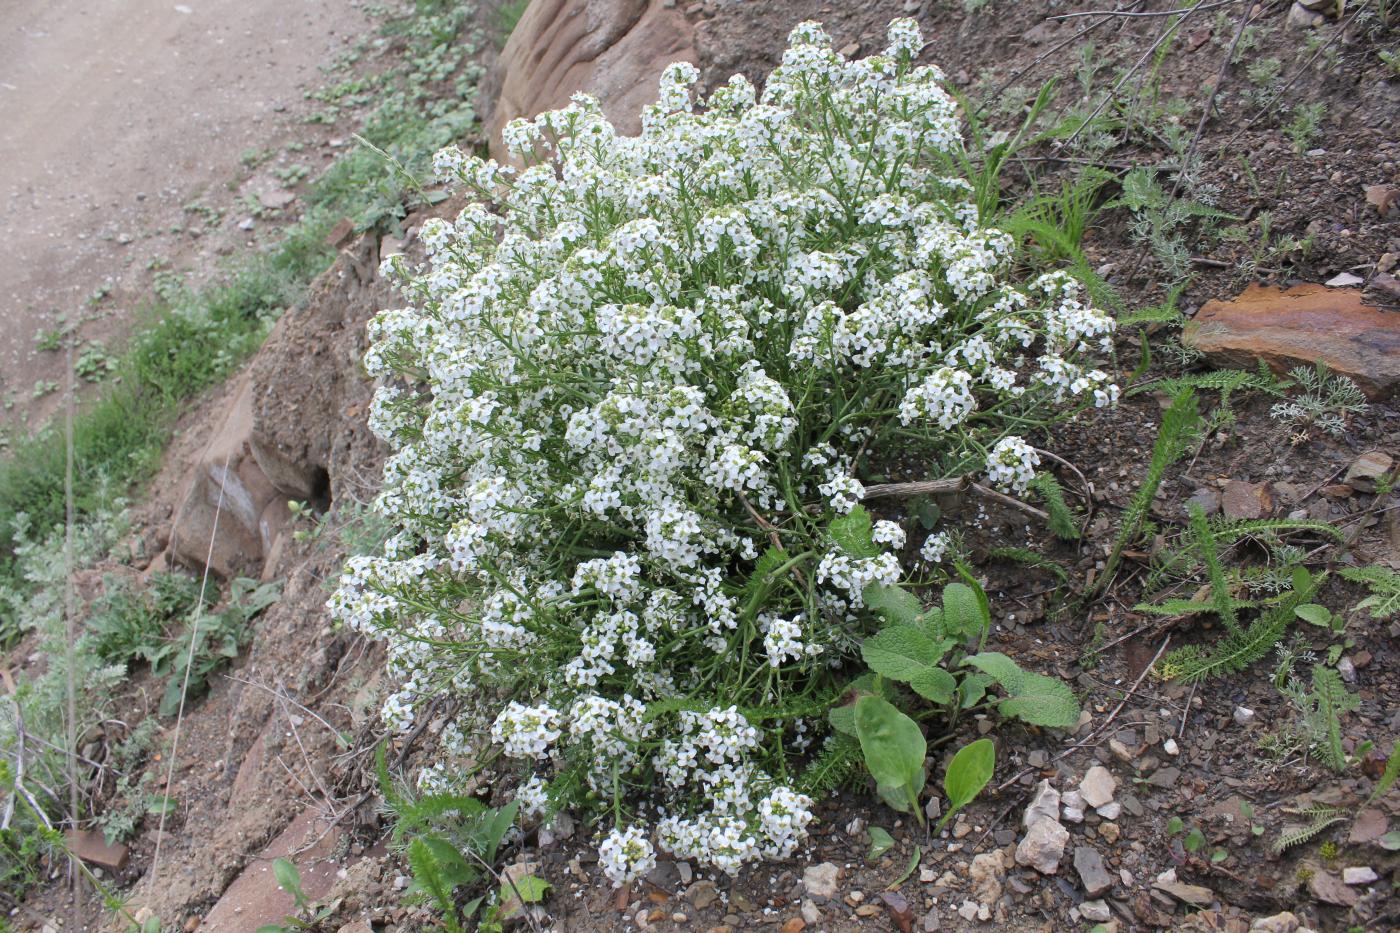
{"points": [[1302, 325]]}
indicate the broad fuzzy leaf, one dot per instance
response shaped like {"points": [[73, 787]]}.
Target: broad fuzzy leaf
{"points": [[1033, 698]]}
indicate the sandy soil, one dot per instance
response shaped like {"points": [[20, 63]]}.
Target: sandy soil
{"points": [[115, 115]]}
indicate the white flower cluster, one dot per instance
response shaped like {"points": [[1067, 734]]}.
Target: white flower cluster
{"points": [[626, 402]]}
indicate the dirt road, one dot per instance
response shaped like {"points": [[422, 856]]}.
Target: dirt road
{"points": [[122, 127]]}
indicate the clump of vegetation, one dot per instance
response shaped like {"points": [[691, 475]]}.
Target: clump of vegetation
{"points": [[688, 349]]}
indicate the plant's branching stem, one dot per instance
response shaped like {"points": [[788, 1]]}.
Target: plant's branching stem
{"points": [[1144, 14], [952, 484], [1170, 30]]}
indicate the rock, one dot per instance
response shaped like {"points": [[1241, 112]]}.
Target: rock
{"points": [[1385, 199], [986, 873], [276, 200], [1329, 889], [933, 809], [793, 925], [1303, 325], [811, 912], [1095, 911], [231, 513], [1278, 923], [1110, 832], [1193, 894], [821, 880], [1098, 786], [1347, 669], [1300, 17], [1363, 875], [95, 850], [341, 234], [1110, 811], [968, 910], [1367, 469], [1244, 715], [1387, 283], [897, 905], [1171, 748], [867, 910], [849, 50], [1092, 873], [1043, 846], [1164, 777], [1369, 825], [1045, 804], [1246, 500], [1344, 280], [1072, 807], [1208, 499], [703, 894], [246, 224], [613, 49]]}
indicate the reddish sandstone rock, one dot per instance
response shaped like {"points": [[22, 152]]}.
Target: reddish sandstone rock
{"points": [[1302, 325], [612, 49]]}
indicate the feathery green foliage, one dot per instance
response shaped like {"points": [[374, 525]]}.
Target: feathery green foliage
{"points": [[1063, 521], [1179, 426], [1384, 584]]}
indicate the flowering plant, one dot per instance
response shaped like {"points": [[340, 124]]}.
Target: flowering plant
{"points": [[627, 403]]}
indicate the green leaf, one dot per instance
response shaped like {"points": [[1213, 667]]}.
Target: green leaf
{"points": [[843, 718], [853, 533], [289, 879], [1033, 698], [1175, 825], [161, 805], [927, 511], [530, 889], [968, 772], [910, 655], [1314, 614], [1219, 855], [894, 749], [908, 869], [880, 842], [1391, 841], [1194, 840], [266, 928], [494, 830], [1388, 776], [973, 688], [896, 604], [965, 613], [452, 866]]}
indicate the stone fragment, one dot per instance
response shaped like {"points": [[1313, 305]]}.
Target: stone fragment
{"points": [[811, 912], [703, 893], [897, 906], [1043, 847], [793, 925], [1363, 875], [1164, 777], [1300, 17], [1095, 911], [1330, 889], [1344, 280], [511, 877], [1244, 715], [1246, 500], [1285, 922], [1171, 748], [1369, 825], [1092, 873], [95, 850], [1110, 811], [821, 880], [1098, 786], [968, 910], [1193, 894], [1208, 499], [986, 873], [1367, 469], [1045, 804], [1300, 326]]}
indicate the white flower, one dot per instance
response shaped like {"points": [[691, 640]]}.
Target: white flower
{"points": [[626, 854], [1011, 464], [935, 546]]}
